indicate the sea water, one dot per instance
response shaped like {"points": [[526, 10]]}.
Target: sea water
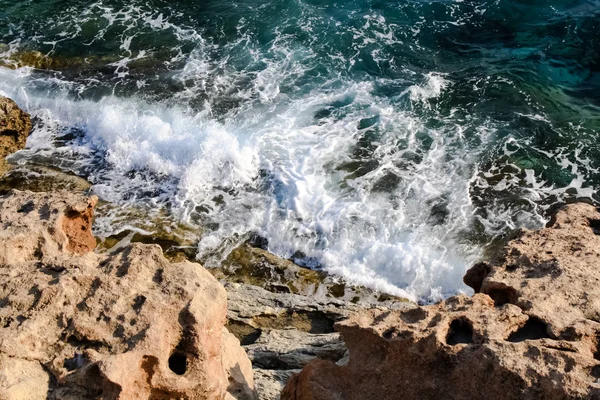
{"points": [[386, 142]]}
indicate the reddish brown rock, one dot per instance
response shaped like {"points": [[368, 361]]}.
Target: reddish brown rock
{"points": [[77, 226], [128, 325], [15, 126], [533, 332]]}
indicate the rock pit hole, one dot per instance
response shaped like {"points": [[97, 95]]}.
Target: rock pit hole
{"points": [[178, 363], [533, 329], [461, 331], [595, 225], [502, 294]]}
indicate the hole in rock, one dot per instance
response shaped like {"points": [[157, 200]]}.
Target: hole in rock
{"points": [[461, 331], [413, 315], [502, 294], [138, 302], [12, 133], [533, 329], [77, 361], [388, 334], [476, 274], [178, 363], [245, 333], [595, 225], [27, 207]]}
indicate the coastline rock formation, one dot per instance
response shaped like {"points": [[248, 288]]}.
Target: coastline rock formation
{"points": [[127, 325], [532, 331], [15, 126], [283, 332]]}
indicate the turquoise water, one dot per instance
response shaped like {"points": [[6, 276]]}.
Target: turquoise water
{"points": [[385, 141]]}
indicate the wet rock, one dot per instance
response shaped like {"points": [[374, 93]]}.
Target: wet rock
{"points": [[15, 126], [27, 58], [124, 325], [178, 240], [532, 332], [38, 178], [255, 266]]}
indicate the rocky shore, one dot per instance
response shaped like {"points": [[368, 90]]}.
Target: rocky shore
{"points": [[133, 319], [531, 331], [124, 321]]}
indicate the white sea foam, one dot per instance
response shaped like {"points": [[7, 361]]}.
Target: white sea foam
{"points": [[334, 175], [387, 239], [372, 238]]}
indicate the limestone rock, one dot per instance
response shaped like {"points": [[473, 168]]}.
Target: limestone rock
{"points": [[270, 382], [15, 126], [282, 332], [552, 273], [532, 332], [129, 325], [39, 178], [253, 309], [33, 226], [289, 349], [22, 379]]}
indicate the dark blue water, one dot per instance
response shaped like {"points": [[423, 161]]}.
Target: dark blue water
{"points": [[387, 142]]}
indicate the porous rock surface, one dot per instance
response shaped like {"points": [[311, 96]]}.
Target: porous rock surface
{"points": [[128, 325], [15, 126], [531, 332]]}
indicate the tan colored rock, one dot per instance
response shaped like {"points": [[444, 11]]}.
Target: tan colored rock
{"points": [[15, 126], [536, 337], [129, 325], [22, 379], [552, 274], [282, 332], [237, 366]]}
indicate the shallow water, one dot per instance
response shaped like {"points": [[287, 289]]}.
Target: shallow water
{"points": [[386, 142]]}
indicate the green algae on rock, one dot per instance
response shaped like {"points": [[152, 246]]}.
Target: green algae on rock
{"points": [[134, 225], [256, 266], [39, 178]]}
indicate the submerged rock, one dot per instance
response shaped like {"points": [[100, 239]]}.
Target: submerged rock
{"points": [[15, 126], [532, 332], [129, 325]]}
